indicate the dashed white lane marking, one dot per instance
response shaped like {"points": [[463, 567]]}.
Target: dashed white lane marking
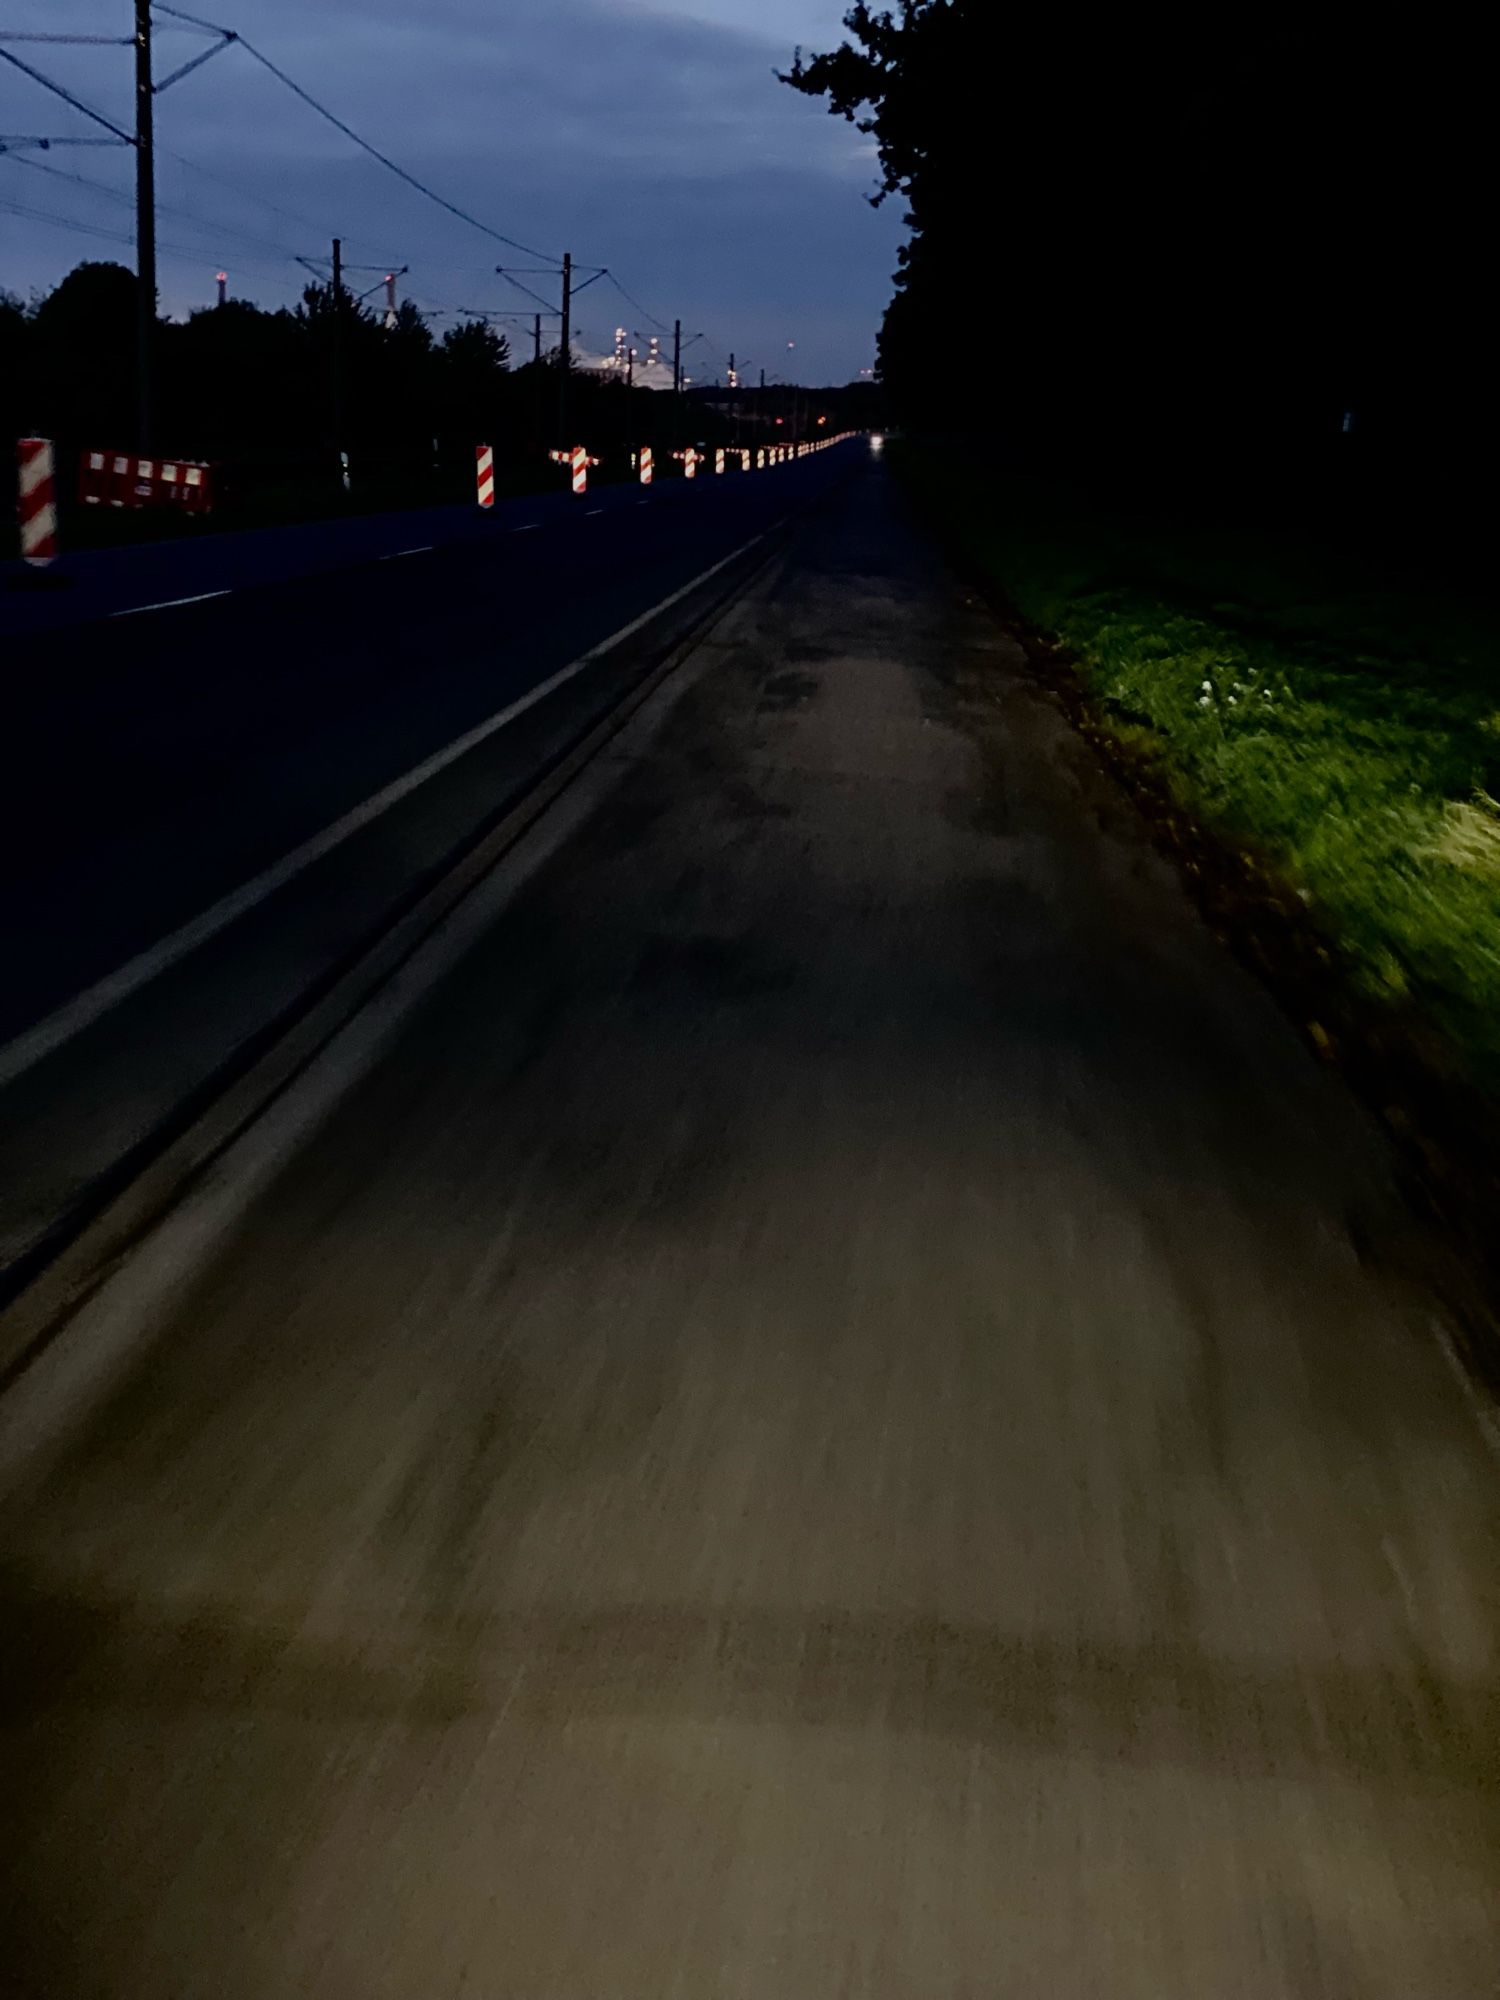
{"points": [[168, 603], [395, 554]]}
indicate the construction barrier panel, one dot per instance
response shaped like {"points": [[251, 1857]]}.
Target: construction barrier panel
{"points": [[484, 473], [122, 479]]}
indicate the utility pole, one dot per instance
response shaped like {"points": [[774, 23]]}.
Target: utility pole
{"points": [[223, 283], [390, 299], [145, 226], [338, 362], [565, 355], [676, 383], [536, 337]]}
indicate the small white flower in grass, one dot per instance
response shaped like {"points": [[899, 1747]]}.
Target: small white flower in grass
{"points": [[1208, 687], [1205, 701]]}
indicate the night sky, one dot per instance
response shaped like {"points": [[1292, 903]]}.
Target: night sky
{"points": [[654, 139]]}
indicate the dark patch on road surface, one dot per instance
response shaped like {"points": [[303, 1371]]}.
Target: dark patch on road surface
{"points": [[627, 819], [1135, 1704], [785, 691], [706, 970]]}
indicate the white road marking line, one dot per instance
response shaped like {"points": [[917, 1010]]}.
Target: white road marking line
{"points": [[115, 1322], [395, 554], [75, 1015], [592, 510], [525, 527], [168, 603]]}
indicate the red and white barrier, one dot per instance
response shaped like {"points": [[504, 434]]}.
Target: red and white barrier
{"points": [[38, 500], [648, 465], [484, 475], [118, 479], [690, 461], [718, 458]]}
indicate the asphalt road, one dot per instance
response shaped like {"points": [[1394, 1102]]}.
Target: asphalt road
{"points": [[153, 762], [845, 1413]]}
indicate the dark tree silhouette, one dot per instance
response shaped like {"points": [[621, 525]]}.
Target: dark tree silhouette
{"points": [[1211, 235]]}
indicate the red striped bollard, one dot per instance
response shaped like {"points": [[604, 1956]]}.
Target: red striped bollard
{"points": [[38, 500], [718, 458], [648, 465], [484, 471]]}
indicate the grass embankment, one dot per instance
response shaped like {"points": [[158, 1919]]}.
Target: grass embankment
{"points": [[1339, 724]]}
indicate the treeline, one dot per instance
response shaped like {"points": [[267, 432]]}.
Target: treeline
{"points": [[1220, 240], [236, 383], [272, 397]]}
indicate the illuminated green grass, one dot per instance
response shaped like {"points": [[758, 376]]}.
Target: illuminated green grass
{"points": [[1344, 728]]}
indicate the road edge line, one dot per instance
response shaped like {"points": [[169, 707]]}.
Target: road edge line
{"points": [[77, 1321], [55, 1030]]}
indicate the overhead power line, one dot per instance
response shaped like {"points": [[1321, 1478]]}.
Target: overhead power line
{"points": [[164, 207], [91, 41], [349, 132], [223, 38], [631, 300], [191, 256], [66, 96]]}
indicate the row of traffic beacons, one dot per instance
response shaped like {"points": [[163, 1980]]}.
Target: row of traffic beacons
{"points": [[576, 458]]}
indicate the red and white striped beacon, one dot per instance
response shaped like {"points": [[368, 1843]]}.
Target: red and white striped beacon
{"points": [[719, 457], [648, 465], [484, 471], [576, 459], [38, 500]]}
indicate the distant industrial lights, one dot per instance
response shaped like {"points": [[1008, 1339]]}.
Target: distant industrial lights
{"points": [[877, 442]]}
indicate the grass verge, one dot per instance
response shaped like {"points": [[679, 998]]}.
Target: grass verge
{"points": [[1327, 720]]}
